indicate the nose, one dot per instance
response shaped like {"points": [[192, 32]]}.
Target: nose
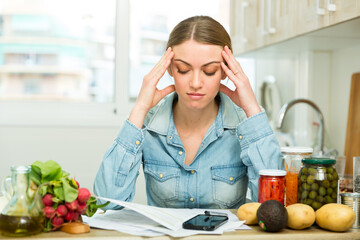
{"points": [[196, 81]]}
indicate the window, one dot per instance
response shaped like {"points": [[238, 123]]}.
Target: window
{"points": [[83, 65], [57, 50]]}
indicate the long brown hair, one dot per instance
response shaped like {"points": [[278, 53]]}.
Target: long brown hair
{"points": [[202, 29]]}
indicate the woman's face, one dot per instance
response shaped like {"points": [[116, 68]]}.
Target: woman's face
{"points": [[197, 73]]}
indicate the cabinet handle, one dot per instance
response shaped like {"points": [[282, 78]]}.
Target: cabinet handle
{"points": [[262, 15], [271, 29], [242, 14], [331, 6], [319, 10]]}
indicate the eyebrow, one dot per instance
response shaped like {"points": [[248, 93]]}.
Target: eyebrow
{"points": [[206, 64]]}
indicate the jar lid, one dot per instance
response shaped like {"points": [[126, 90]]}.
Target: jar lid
{"points": [[272, 172], [318, 161], [296, 149]]}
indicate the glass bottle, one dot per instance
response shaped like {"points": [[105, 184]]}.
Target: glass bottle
{"points": [[292, 159], [23, 214]]}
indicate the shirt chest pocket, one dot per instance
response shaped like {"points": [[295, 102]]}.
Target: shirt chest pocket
{"points": [[229, 184], [162, 180]]}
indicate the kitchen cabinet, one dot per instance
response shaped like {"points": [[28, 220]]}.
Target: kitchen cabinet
{"points": [[259, 23], [341, 10]]}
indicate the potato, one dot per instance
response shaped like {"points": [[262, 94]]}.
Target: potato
{"points": [[247, 212], [335, 217], [300, 216]]}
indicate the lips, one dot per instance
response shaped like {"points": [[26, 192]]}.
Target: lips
{"points": [[195, 96]]}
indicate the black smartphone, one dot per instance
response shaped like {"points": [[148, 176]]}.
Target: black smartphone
{"points": [[205, 222]]}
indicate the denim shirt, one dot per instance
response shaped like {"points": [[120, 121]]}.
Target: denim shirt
{"points": [[227, 162]]}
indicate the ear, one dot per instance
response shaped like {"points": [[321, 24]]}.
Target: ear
{"points": [[169, 70]]}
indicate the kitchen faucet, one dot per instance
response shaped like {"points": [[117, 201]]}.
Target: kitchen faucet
{"points": [[288, 105]]}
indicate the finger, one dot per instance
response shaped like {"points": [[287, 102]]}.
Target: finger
{"points": [[167, 55], [233, 64], [166, 91], [160, 94], [159, 70], [231, 57], [227, 91], [229, 73]]}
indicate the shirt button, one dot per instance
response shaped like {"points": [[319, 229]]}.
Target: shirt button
{"points": [[180, 153], [170, 137], [191, 199], [231, 178], [240, 137], [137, 142], [192, 171], [161, 175]]}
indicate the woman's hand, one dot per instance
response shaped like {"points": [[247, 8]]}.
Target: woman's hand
{"points": [[149, 95], [243, 95]]}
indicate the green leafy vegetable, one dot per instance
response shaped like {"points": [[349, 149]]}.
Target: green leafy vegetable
{"points": [[70, 191], [92, 206], [53, 180], [63, 190]]}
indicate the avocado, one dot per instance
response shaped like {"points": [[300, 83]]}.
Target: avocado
{"points": [[272, 216]]}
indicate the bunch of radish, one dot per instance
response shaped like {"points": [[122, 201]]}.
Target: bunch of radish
{"points": [[59, 213], [63, 199]]}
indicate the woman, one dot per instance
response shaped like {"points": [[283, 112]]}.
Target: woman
{"points": [[200, 143]]}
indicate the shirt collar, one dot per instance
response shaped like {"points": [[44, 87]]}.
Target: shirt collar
{"points": [[159, 117]]}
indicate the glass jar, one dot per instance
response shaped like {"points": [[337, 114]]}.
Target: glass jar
{"points": [[271, 185], [292, 159], [318, 182]]}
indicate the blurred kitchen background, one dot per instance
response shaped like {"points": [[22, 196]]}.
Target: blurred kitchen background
{"points": [[70, 71]]}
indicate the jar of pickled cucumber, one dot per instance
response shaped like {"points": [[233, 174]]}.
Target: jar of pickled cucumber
{"points": [[318, 182]]}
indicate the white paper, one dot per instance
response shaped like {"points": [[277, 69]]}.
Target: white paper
{"points": [[157, 221]]}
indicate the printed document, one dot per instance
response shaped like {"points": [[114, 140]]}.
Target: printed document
{"points": [[157, 221]]}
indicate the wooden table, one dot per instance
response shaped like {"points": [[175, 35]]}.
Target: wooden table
{"points": [[314, 233]]}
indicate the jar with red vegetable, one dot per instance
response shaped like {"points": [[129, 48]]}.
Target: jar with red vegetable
{"points": [[272, 185]]}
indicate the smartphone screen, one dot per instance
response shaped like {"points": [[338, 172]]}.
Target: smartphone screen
{"points": [[205, 222]]}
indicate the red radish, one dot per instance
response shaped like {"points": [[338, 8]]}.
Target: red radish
{"points": [[72, 206], [49, 211], [81, 208], [61, 210], [77, 183], [75, 216], [57, 221], [47, 200], [69, 216], [84, 195]]}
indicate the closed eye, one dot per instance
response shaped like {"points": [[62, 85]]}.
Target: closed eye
{"points": [[209, 73], [182, 72]]}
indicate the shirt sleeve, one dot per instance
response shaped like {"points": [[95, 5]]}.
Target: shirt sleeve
{"points": [[259, 148], [119, 169]]}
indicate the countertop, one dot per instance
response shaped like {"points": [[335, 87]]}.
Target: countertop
{"points": [[314, 233]]}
